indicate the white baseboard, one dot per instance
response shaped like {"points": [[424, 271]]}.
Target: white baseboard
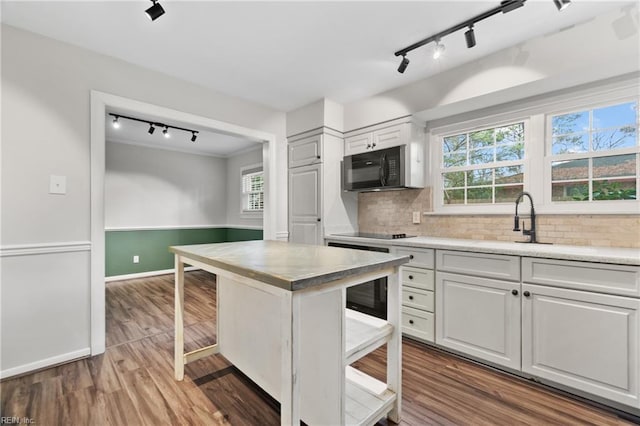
{"points": [[45, 363], [282, 236], [146, 274]]}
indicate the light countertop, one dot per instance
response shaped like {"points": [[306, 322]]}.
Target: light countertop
{"points": [[622, 256], [287, 265]]}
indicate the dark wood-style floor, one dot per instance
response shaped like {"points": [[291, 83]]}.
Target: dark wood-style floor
{"points": [[132, 382]]}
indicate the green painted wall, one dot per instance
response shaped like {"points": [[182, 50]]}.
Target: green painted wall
{"points": [[152, 246]]}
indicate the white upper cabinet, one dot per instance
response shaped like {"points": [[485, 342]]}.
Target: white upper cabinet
{"points": [[382, 136], [305, 151]]}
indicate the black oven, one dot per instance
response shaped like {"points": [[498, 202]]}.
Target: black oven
{"points": [[370, 297]]}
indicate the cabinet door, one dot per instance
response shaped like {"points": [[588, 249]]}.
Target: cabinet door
{"points": [[391, 136], [305, 205], [479, 317], [585, 340], [305, 151], [357, 144]]}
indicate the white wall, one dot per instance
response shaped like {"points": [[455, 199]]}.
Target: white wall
{"points": [[146, 187], [46, 131], [585, 53], [234, 188]]}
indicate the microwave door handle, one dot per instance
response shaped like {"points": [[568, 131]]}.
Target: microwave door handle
{"points": [[383, 170]]}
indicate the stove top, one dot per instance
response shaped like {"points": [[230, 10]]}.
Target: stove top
{"points": [[377, 236]]}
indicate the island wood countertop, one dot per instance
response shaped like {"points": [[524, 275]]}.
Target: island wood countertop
{"points": [[288, 265]]}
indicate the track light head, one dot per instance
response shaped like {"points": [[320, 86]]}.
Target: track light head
{"points": [[562, 4], [165, 132], [151, 128], [193, 136], [116, 123], [470, 37], [403, 64], [438, 50], [155, 11]]}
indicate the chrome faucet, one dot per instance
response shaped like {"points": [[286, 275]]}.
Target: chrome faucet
{"points": [[516, 220]]}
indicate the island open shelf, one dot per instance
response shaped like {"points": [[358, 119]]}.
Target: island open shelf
{"points": [[282, 321]]}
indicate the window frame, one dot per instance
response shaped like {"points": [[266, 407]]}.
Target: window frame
{"points": [[536, 113], [244, 171]]}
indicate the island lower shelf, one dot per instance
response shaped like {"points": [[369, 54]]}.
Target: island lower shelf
{"points": [[367, 399]]}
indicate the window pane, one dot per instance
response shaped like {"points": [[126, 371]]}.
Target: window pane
{"points": [[574, 122], [567, 170], [510, 152], [453, 160], [481, 138], [453, 196], [480, 177], [481, 156], [615, 116], [511, 174], [480, 195], [509, 134], [508, 194], [618, 165], [570, 191], [454, 143], [569, 144], [618, 189], [623, 137], [453, 180]]}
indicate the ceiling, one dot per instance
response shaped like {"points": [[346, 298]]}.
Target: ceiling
{"points": [[288, 54], [208, 142]]}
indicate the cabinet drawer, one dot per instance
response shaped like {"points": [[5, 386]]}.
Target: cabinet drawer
{"points": [[599, 277], [422, 258], [484, 265], [418, 324], [419, 299], [417, 277]]}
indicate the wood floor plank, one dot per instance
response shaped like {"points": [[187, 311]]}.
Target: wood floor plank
{"points": [[132, 382]]}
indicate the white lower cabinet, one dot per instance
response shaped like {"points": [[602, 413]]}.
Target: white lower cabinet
{"points": [[585, 340], [479, 317]]}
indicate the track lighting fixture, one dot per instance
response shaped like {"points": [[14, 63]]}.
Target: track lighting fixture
{"points": [[438, 50], [155, 11], [505, 6], [470, 37], [403, 64], [153, 125], [562, 4]]}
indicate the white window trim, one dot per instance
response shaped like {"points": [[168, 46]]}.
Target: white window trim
{"points": [[249, 214], [536, 163]]}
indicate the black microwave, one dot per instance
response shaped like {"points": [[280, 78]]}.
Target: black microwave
{"points": [[375, 170]]}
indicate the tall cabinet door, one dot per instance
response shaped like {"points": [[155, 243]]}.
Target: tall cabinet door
{"points": [[305, 205], [585, 340], [479, 317]]}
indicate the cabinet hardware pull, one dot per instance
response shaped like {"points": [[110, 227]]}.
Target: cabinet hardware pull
{"points": [[410, 297], [318, 157], [411, 256], [526, 294], [410, 321], [374, 144], [318, 219], [368, 145], [514, 292], [410, 277]]}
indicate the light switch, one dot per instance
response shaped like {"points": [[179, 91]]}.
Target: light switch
{"points": [[416, 217], [57, 184]]}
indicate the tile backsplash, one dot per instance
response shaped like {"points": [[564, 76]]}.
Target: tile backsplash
{"points": [[391, 212]]}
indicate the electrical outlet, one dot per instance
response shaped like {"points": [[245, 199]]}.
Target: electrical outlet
{"points": [[136, 259], [57, 184], [416, 217]]}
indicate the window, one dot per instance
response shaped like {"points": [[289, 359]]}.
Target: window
{"points": [[483, 166], [594, 154], [252, 189]]}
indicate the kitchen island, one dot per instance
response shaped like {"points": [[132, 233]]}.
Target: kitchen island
{"points": [[281, 320]]}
